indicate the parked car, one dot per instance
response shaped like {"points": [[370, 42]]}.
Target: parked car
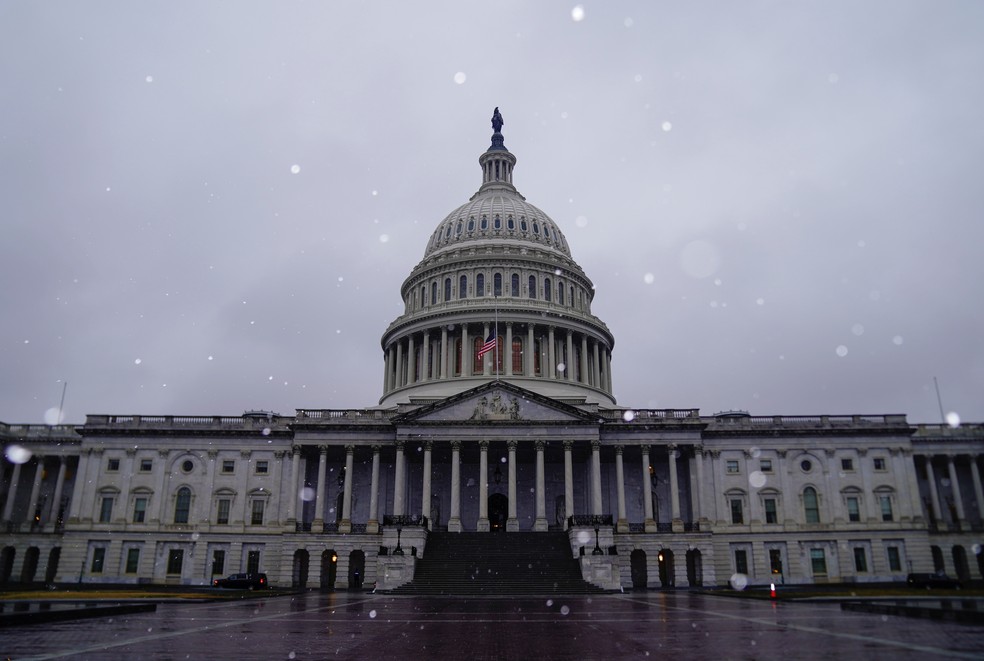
{"points": [[935, 580], [242, 582]]}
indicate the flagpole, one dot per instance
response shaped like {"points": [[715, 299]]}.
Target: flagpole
{"points": [[495, 302]]}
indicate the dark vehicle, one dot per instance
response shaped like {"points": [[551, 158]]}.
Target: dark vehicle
{"points": [[242, 582], [936, 580]]}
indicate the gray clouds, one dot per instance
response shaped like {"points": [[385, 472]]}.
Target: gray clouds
{"points": [[827, 153]]}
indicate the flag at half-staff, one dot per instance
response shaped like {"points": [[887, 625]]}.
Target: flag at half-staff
{"points": [[490, 343]]}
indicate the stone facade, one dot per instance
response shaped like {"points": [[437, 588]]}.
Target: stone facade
{"points": [[497, 415]]}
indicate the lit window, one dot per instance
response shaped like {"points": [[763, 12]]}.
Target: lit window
{"points": [[775, 561]]}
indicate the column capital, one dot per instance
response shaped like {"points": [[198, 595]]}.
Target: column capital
{"points": [[279, 454], [456, 445], [511, 444], [483, 445], [781, 452], [162, 453], [323, 449], [245, 454], [212, 453], [376, 448], [129, 452], [568, 446], [400, 445], [619, 449], [349, 449], [595, 445], [644, 448], [539, 445], [698, 450], [295, 449], [428, 445], [830, 452], [671, 447]]}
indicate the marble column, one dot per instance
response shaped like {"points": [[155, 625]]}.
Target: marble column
{"points": [[8, 507], [32, 505], [454, 522], [699, 500], [975, 476], [957, 494], [411, 361], [622, 523], [483, 486], [425, 492], [507, 350], [934, 495], [647, 491], [569, 369], [528, 352], [674, 489], [512, 523], [540, 523], [372, 526], [568, 483], [294, 493], [425, 359], [551, 354], [583, 366], [52, 522], [319, 499], [444, 352], [398, 379], [398, 480], [596, 503], [345, 525]]}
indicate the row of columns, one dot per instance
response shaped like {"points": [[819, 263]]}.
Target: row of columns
{"points": [[32, 507], [934, 495], [436, 356]]}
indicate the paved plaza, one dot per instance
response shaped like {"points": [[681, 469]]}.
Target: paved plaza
{"points": [[363, 626]]}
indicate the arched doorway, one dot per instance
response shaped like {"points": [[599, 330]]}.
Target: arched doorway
{"points": [[30, 567], [299, 574], [52, 570], [937, 552], [640, 573], [6, 563], [498, 511], [959, 563], [665, 559], [357, 569], [695, 568], [329, 566]]}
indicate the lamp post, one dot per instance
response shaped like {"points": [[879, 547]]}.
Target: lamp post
{"points": [[399, 549], [597, 548]]}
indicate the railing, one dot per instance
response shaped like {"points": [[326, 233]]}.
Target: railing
{"points": [[816, 421], [649, 415], [250, 421], [405, 520], [591, 520], [330, 527], [302, 526], [664, 526], [359, 415], [691, 526]]}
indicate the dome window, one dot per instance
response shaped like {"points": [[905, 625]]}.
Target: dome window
{"points": [[515, 285], [536, 228], [547, 292], [457, 229], [532, 287], [497, 284], [522, 225], [510, 223], [546, 231], [485, 222], [447, 289], [447, 232], [463, 287], [560, 293], [480, 284], [471, 224], [497, 223], [433, 293]]}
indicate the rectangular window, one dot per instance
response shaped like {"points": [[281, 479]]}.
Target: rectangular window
{"points": [[853, 509], [847, 464], [228, 466], [139, 510], [253, 562], [736, 513], [218, 562], [262, 467], [223, 515], [256, 518], [770, 511], [146, 465], [106, 510], [132, 560], [113, 465], [731, 466], [886, 507], [741, 561], [894, 559], [879, 463], [98, 558], [765, 465], [175, 558], [775, 561], [818, 561], [860, 560]]}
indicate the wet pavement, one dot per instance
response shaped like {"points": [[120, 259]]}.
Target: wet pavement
{"points": [[364, 626]]}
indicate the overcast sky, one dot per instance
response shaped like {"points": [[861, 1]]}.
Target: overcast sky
{"points": [[208, 207]]}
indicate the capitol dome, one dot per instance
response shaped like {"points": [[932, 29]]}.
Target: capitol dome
{"points": [[497, 296]]}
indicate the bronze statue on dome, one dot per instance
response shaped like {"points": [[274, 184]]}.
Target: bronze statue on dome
{"points": [[497, 120]]}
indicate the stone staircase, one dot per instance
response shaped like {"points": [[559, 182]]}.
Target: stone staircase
{"points": [[497, 563]]}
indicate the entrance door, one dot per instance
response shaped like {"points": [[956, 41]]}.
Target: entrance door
{"points": [[498, 511], [640, 573]]}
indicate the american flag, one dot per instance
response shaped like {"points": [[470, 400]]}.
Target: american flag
{"points": [[489, 344]]}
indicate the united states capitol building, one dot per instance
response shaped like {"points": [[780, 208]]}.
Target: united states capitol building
{"points": [[496, 417]]}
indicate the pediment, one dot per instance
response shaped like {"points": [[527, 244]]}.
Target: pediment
{"points": [[497, 403]]}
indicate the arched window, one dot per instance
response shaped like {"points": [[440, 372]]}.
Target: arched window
{"points": [[536, 357], [497, 284], [478, 364], [517, 355], [560, 293], [447, 231], [457, 228], [532, 286], [515, 285], [457, 357], [463, 287], [471, 224], [182, 505], [485, 222], [546, 231], [497, 223], [433, 293], [536, 228], [480, 284], [811, 507], [571, 299], [447, 289], [547, 292], [522, 224], [510, 223], [423, 295]]}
